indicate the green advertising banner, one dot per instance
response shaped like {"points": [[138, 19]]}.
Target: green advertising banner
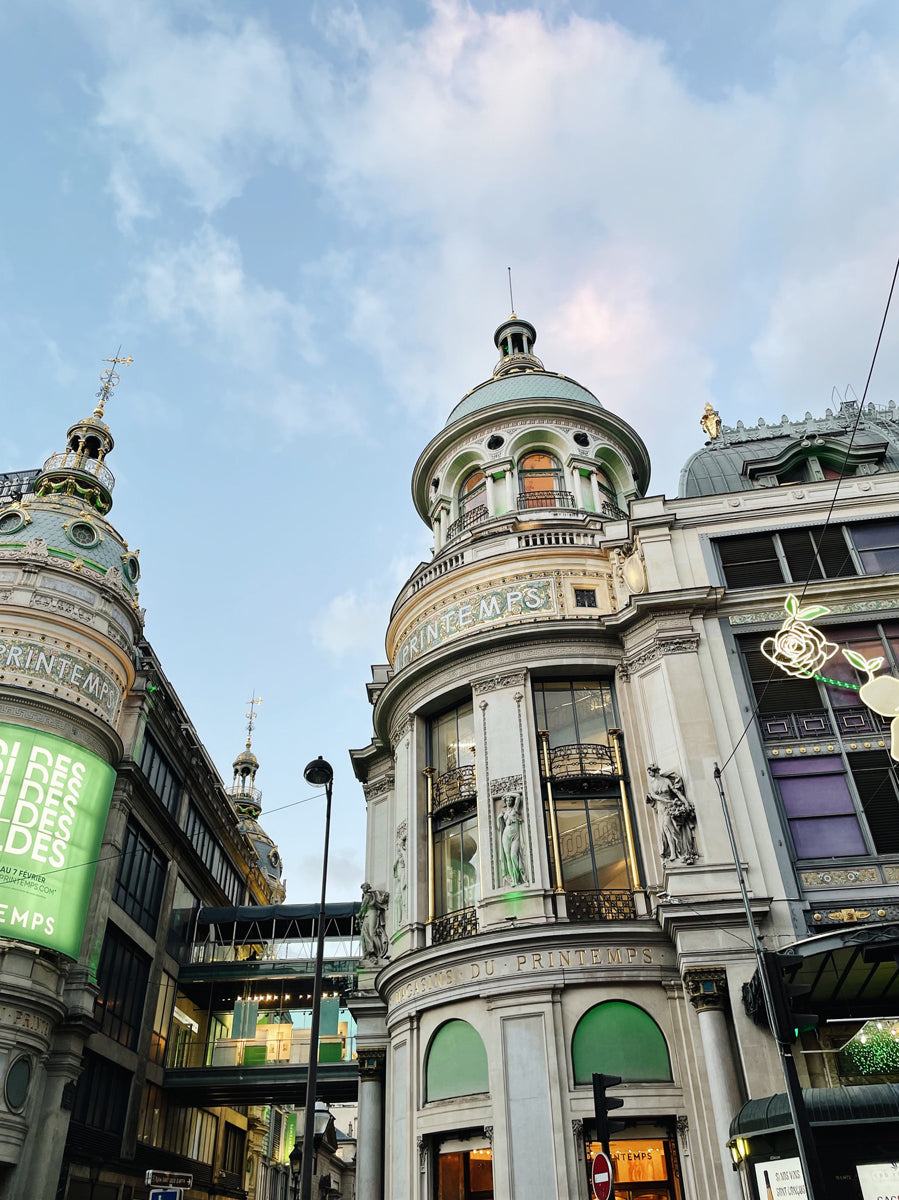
{"points": [[54, 800]]}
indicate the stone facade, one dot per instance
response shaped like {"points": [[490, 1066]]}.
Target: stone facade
{"points": [[565, 676]]}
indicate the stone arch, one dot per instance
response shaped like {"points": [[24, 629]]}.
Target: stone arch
{"points": [[456, 1062], [611, 461], [616, 1037]]}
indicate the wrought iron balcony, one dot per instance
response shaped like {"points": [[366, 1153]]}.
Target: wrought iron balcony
{"points": [[608, 509], [456, 787], [474, 516], [546, 499], [582, 761], [617, 905], [71, 461], [461, 924]]}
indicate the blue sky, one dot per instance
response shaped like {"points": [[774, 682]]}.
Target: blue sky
{"points": [[298, 217]]}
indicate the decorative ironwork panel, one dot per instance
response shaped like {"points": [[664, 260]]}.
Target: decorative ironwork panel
{"points": [[601, 906], [581, 761], [793, 726], [612, 510], [454, 788], [453, 926], [860, 720], [474, 516], [546, 499]]}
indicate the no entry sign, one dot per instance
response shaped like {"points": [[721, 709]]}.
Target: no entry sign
{"points": [[602, 1177]]}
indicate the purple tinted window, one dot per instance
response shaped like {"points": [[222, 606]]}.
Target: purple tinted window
{"points": [[816, 796], [828, 837], [818, 803]]}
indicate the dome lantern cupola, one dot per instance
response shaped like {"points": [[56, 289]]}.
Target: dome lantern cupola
{"points": [[515, 340], [247, 801], [80, 470]]}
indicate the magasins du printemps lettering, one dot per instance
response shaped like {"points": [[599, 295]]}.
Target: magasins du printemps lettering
{"points": [[545, 960]]}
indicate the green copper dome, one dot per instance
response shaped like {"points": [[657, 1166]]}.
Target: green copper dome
{"points": [[529, 385]]}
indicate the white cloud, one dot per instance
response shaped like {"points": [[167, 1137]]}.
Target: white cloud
{"points": [[130, 203], [206, 104], [355, 620]]}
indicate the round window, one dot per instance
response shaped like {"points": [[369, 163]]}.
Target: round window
{"points": [[83, 534], [11, 522], [494, 442], [132, 568], [18, 1077], [582, 439]]}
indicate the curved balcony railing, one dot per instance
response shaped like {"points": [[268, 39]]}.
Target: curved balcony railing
{"points": [[70, 460], [474, 516], [610, 905], [452, 927], [250, 795], [546, 499], [608, 509], [455, 787], [582, 762]]}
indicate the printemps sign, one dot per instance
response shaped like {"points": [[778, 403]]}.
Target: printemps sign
{"points": [[54, 800]]}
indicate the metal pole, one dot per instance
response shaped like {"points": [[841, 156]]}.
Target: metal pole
{"points": [[312, 1072], [805, 1139]]}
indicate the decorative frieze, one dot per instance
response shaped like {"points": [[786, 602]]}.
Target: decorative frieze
{"points": [[858, 606], [497, 682], [841, 877], [377, 787], [504, 784], [660, 648]]}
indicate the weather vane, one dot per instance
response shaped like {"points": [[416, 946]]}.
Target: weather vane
{"points": [[109, 379], [251, 717]]}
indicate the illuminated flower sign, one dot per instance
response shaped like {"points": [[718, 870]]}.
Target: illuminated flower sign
{"points": [[881, 694], [802, 650], [797, 647]]}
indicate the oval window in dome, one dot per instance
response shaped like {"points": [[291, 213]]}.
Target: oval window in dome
{"points": [[132, 567], [12, 521]]}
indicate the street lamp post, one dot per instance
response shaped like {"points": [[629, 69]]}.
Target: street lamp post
{"points": [[320, 774]]}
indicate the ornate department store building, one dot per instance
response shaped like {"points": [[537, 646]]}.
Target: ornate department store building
{"points": [[564, 675]]}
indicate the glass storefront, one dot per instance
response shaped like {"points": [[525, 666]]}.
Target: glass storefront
{"points": [[646, 1168]]}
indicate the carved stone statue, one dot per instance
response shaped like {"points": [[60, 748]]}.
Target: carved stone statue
{"points": [[509, 823], [677, 816], [373, 923], [399, 876]]}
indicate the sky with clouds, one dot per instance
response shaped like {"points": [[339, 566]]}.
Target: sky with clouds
{"points": [[298, 219]]}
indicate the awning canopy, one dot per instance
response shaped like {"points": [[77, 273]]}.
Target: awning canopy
{"points": [[871, 1102], [850, 972]]}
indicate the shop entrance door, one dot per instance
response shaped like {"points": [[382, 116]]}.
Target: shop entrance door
{"points": [[465, 1175], [645, 1167]]}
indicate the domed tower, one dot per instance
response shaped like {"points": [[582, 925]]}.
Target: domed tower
{"points": [[247, 801], [70, 622]]}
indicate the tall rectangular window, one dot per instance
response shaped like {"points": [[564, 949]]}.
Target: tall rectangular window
{"points": [[210, 851], [165, 999], [101, 1097], [877, 543], [456, 864], [819, 807], [159, 773], [141, 878], [452, 739], [123, 974], [575, 712], [591, 844]]}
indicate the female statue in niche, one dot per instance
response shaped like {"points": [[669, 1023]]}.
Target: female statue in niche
{"points": [[373, 923], [509, 822], [677, 816]]}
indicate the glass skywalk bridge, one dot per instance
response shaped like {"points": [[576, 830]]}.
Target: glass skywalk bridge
{"points": [[240, 1027]]}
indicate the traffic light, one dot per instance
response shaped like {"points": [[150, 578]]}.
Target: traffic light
{"points": [[602, 1104], [780, 968]]}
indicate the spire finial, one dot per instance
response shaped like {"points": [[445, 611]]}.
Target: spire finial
{"points": [[110, 379], [252, 716], [511, 301]]}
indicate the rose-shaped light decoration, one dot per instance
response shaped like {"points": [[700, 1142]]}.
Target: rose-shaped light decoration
{"points": [[799, 648], [881, 694]]}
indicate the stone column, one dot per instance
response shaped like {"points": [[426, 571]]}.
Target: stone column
{"points": [[488, 494], [594, 488], [370, 1127], [707, 989]]}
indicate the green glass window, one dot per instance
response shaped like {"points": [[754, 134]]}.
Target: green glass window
{"points": [[617, 1038], [457, 1062]]}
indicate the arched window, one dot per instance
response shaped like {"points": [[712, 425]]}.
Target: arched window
{"points": [[457, 1062], [473, 493], [540, 482], [617, 1038]]}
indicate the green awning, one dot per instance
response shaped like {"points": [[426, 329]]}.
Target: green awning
{"points": [[825, 1106]]}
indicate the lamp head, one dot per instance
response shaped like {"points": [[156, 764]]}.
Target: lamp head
{"points": [[319, 773], [295, 1158]]}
